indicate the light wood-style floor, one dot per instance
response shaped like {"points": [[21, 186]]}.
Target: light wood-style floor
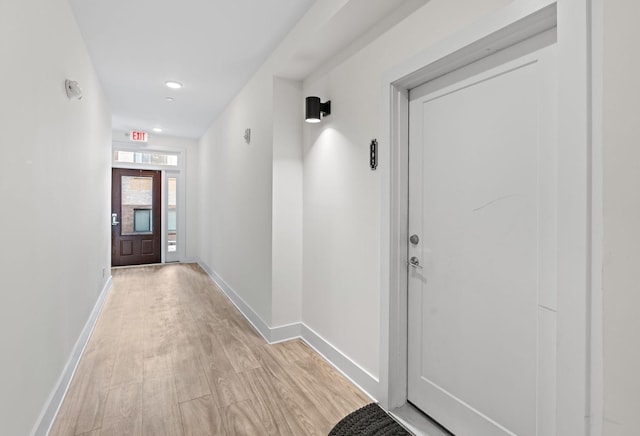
{"points": [[170, 355]]}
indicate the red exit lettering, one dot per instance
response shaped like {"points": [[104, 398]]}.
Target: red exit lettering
{"points": [[138, 136]]}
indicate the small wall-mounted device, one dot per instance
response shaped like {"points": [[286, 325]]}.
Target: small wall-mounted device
{"points": [[247, 136], [73, 89], [373, 154]]}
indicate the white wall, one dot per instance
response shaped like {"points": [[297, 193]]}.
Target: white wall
{"points": [[621, 192], [235, 196], [341, 286], [54, 191], [287, 202], [191, 180], [250, 195]]}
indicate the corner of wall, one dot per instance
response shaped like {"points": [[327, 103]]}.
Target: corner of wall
{"points": [[286, 299], [359, 376], [251, 315]]}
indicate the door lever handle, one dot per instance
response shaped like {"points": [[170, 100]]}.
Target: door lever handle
{"points": [[114, 219], [414, 262]]}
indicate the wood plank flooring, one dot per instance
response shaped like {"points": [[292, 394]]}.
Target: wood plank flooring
{"points": [[170, 355]]}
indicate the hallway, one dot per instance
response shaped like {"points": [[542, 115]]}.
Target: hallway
{"points": [[305, 226], [170, 354]]}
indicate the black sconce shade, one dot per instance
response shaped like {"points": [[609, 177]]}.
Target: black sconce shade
{"points": [[315, 110]]}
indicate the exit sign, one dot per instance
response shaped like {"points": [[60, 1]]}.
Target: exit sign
{"points": [[138, 136]]}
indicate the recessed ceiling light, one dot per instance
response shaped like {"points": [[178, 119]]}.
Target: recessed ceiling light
{"points": [[169, 98], [173, 84], [157, 129]]}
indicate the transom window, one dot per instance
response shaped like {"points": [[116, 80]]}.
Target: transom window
{"points": [[145, 157]]}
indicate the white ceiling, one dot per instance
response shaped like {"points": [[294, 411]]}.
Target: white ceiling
{"points": [[212, 46]]}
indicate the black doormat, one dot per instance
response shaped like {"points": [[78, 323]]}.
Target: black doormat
{"points": [[370, 420]]}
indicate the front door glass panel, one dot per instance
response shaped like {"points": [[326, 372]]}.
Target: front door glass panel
{"points": [[172, 228], [137, 203]]}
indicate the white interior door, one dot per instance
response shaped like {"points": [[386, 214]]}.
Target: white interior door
{"points": [[482, 287]]}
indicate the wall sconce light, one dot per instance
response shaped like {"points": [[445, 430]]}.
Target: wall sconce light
{"points": [[315, 110]]}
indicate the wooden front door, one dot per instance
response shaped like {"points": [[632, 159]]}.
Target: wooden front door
{"points": [[135, 217]]}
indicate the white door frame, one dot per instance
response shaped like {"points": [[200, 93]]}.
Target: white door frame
{"points": [[577, 253], [180, 173]]}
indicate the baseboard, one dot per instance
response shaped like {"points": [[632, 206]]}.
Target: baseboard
{"points": [[369, 384], [359, 376], [255, 319], [53, 403], [285, 332]]}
